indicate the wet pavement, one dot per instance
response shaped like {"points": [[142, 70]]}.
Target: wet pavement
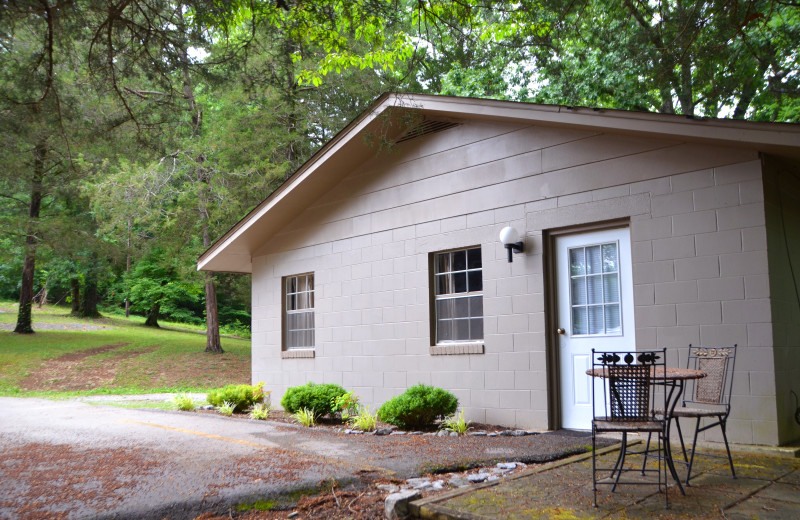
{"points": [[70, 459], [767, 487]]}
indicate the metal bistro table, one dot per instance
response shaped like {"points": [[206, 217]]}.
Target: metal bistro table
{"points": [[675, 379]]}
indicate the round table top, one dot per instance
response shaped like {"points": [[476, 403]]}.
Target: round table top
{"points": [[673, 374]]}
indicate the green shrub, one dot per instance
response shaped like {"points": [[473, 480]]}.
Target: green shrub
{"points": [[184, 402], [418, 407], [241, 396], [319, 399]]}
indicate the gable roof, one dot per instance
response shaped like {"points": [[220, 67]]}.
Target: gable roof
{"points": [[233, 251]]}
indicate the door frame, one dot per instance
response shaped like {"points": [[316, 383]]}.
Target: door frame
{"points": [[553, 360]]}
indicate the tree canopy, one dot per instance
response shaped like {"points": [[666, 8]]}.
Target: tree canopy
{"points": [[124, 121]]}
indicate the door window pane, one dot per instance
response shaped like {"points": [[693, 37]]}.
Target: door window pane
{"points": [[595, 290]]}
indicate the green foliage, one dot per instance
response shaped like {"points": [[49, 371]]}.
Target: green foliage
{"points": [[241, 396], [418, 407], [456, 423], [346, 405], [316, 398], [184, 402], [364, 420], [260, 411], [306, 417], [227, 408]]}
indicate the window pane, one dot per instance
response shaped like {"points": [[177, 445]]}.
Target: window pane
{"points": [[579, 325], [291, 302], [594, 289], [442, 284], [461, 330], [476, 306], [442, 263], [310, 282], [579, 291], [302, 301], [461, 307], [576, 263], [459, 260], [610, 258], [594, 264], [476, 328], [311, 300], [444, 309], [460, 282], [291, 284], [611, 288], [301, 283], [596, 325], [474, 258], [444, 330], [613, 321], [475, 279]]}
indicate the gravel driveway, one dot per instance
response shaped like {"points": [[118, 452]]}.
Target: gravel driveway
{"points": [[70, 459]]}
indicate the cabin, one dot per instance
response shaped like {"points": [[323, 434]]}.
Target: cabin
{"points": [[378, 265]]}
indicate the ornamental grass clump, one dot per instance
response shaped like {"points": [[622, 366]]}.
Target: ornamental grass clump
{"points": [[456, 423], [226, 408], [305, 417], [241, 396], [260, 411], [418, 407], [320, 399], [364, 420]]}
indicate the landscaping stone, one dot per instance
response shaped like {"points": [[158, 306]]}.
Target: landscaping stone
{"points": [[458, 482], [389, 488], [419, 482], [383, 431], [415, 433], [398, 433], [477, 434], [453, 434], [478, 477], [396, 504], [507, 465], [437, 485], [493, 434], [519, 433], [442, 433]]}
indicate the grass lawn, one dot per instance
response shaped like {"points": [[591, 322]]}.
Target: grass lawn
{"points": [[119, 356]]}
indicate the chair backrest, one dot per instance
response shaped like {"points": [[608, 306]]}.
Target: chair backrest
{"points": [[718, 364], [630, 379]]}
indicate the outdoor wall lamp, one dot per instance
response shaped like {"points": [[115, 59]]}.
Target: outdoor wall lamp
{"points": [[510, 239]]}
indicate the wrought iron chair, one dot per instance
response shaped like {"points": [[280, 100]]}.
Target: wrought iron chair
{"points": [[630, 379], [709, 397]]}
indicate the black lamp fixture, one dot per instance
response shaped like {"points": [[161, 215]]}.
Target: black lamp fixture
{"points": [[510, 239]]}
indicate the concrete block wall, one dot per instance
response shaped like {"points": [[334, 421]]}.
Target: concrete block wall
{"points": [[699, 253]]}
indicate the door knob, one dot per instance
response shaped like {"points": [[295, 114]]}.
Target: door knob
{"points": [[561, 331]]}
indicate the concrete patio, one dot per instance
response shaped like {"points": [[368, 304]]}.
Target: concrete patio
{"points": [[767, 487]]}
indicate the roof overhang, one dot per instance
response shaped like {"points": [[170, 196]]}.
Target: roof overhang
{"points": [[349, 148]]}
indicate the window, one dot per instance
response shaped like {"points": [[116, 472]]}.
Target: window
{"points": [[594, 290], [299, 311], [458, 294]]}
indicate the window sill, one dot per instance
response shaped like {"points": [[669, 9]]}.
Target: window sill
{"points": [[298, 354], [456, 349]]}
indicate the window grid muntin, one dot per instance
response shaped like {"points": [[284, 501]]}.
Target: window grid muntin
{"points": [[606, 288], [458, 287], [299, 308]]}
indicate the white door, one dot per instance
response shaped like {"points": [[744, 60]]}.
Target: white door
{"points": [[595, 310]]}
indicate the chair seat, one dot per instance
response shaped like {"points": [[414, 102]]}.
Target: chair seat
{"points": [[697, 412], [601, 424]]}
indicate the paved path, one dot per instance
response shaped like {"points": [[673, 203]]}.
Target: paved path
{"points": [[68, 459]]}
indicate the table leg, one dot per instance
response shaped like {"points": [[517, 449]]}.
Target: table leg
{"points": [[673, 397]]}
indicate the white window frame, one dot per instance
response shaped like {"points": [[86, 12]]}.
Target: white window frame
{"points": [[291, 308], [436, 274]]}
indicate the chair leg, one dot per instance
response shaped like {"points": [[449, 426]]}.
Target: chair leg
{"points": [[620, 461], [594, 466], [646, 451], [694, 447], [680, 437], [723, 423]]}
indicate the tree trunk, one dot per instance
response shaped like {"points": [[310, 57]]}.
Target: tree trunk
{"points": [[31, 241], [213, 343], [152, 316], [88, 307], [75, 287]]}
